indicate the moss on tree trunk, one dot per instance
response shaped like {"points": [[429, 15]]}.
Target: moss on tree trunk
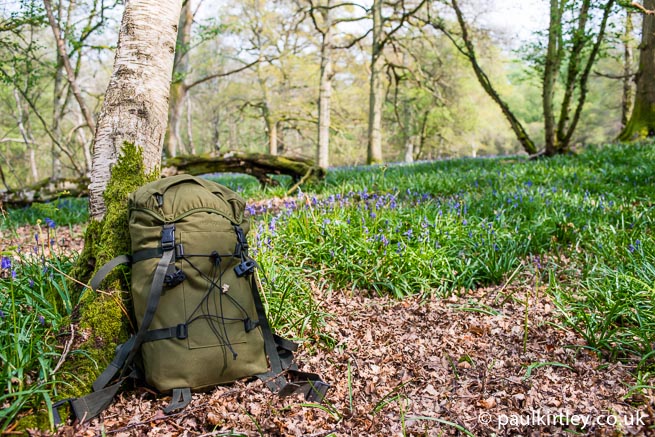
{"points": [[641, 124], [103, 321]]}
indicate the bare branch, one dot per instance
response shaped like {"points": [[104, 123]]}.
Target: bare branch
{"points": [[72, 80], [615, 76], [223, 74], [44, 124]]}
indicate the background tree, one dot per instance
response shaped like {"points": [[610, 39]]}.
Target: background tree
{"points": [[382, 32], [642, 120], [575, 36]]}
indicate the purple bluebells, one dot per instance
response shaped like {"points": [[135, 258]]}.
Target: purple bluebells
{"points": [[635, 246], [5, 264]]}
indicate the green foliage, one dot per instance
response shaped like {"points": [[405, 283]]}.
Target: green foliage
{"points": [[444, 227], [36, 303]]}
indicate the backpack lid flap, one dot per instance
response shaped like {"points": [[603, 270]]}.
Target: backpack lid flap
{"points": [[167, 198]]}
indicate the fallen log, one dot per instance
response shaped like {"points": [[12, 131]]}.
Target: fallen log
{"points": [[258, 165], [45, 191]]}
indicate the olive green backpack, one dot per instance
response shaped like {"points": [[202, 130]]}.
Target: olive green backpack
{"points": [[196, 302]]}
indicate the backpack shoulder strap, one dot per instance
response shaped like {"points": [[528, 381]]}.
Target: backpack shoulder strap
{"points": [[102, 273]]}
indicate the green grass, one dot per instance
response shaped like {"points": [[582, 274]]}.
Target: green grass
{"points": [[35, 309], [582, 223]]}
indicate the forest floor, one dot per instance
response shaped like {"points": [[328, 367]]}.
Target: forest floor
{"points": [[493, 361]]}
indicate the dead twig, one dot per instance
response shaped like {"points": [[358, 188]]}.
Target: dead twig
{"points": [[67, 348], [642, 8]]}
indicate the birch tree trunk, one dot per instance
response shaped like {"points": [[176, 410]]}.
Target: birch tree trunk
{"points": [[376, 91], [135, 109], [642, 120]]}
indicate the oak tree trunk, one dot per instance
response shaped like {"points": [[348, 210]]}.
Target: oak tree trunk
{"points": [[325, 92], [178, 93], [551, 69], [376, 90], [642, 120]]}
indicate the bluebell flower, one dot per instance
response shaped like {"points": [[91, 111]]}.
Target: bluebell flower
{"points": [[2, 314], [537, 262], [13, 274], [42, 320], [6, 263], [50, 222], [631, 248], [31, 283], [409, 233], [327, 221]]}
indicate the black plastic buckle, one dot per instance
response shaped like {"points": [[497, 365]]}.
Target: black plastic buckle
{"points": [[249, 324], [174, 279], [168, 237], [181, 331], [245, 268], [241, 250]]}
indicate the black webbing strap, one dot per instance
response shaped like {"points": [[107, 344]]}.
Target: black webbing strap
{"points": [[89, 406], [115, 366], [102, 273], [180, 399], [180, 332]]}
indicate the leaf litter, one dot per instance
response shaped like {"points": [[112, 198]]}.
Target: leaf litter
{"points": [[462, 365]]}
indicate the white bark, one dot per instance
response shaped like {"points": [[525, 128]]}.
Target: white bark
{"points": [[135, 109], [28, 139], [376, 91], [409, 150], [325, 91]]}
